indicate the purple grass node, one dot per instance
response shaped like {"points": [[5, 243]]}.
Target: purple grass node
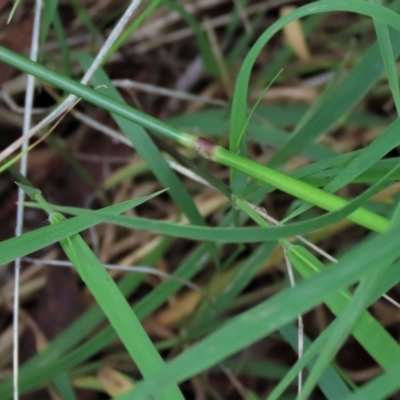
{"points": [[204, 147]]}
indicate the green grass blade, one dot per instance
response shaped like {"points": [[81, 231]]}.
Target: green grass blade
{"points": [[146, 148], [381, 387], [239, 106], [45, 368], [264, 174], [330, 383], [382, 33], [236, 235], [35, 240], [115, 307], [126, 34], [205, 50], [62, 40], [367, 330], [308, 358], [64, 387], [270, 315], [388, 140], [230, 235], [343, 99], [48, 17], [342, 327], [365, 159], [14, 8]]}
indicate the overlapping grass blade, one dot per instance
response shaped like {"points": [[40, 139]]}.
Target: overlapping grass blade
{"points": [[115, 307], [345, 96], [257, 171], [367, 330], [232, 235], [144, 145], [364, 160], [381, 387], [270, 315], [235, 235], [382, 33], [35, 240], [48, 364], [368, 157], [126, 34], [331, 383]]}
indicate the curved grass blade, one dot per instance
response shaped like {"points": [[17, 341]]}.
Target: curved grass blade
{"points": [[235, 235], [224, 235], [146, 148], [345, 95]]}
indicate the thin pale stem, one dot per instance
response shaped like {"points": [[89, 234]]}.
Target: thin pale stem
{"points": [[29, 95], [71, 98], [300, 324]]}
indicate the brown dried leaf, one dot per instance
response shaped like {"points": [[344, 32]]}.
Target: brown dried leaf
{"points": [[294, 36], [113, 381]]}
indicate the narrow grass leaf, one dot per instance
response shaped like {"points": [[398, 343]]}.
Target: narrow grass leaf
{"points": [[379, 388], [308, 358], [127, 33], [345, 96], [330, 383], [146, 148], [48, 16], [43, 369], [366, 158], [115, 307], [368, 331], [29, 242], [270, 315], [234, 235], [342, 327], [382, 33], [62, 40], [64, 387], [205, 50], [263, 174]]}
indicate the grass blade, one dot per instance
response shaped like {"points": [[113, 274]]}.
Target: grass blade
{"points": [[115, 307], [261, 320]]}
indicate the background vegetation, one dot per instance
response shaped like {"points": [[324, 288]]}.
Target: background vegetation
{"points": [[234, 164]]}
